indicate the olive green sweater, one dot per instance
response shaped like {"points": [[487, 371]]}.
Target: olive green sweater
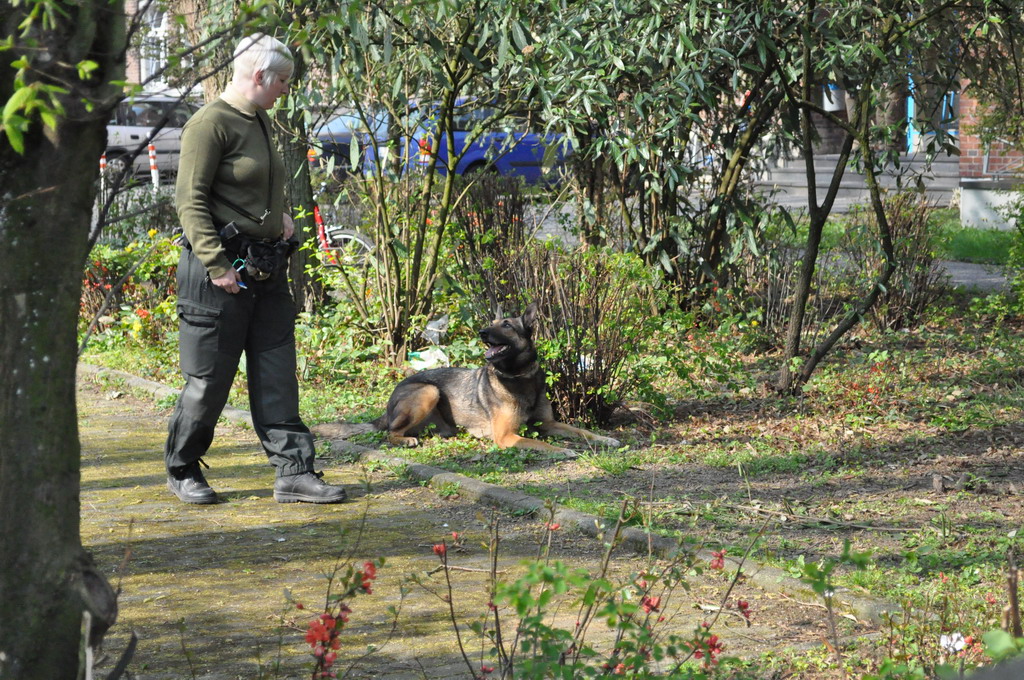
{"points": [[224, 154]]}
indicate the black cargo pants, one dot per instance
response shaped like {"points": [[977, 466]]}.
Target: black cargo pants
{"points": [[215, 327]]}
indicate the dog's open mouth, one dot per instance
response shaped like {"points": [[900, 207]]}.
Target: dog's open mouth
{"points": [[494, 350]]}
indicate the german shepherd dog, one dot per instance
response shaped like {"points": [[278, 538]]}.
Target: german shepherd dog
{"points": [[493, 401]]}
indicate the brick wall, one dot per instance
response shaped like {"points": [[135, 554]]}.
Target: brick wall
{"points": [[133, 67], [1001, 161]]}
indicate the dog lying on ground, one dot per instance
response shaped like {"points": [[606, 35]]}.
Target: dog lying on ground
{"points": [[492, 401]]}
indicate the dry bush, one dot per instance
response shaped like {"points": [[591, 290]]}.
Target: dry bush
{"points": [[491, 240], [846, 272], [916, 284], [598, 308]]}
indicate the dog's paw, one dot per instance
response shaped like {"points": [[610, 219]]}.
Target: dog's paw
{"points": [[564, 454], [608, 441]]}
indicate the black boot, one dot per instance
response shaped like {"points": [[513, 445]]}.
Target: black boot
{"points": [[189, 485], [307, 487]]}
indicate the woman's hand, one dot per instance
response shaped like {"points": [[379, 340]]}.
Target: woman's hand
{"points": [[289, 226], [230, 282]]}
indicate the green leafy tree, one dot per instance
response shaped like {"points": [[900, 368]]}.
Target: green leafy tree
{"points": [[58, 61], [670, 105], [385, 57], [867, 49], [675, 106], [994, 69]]}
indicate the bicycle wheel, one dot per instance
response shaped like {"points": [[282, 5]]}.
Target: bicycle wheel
{"points": [[346, 248]]}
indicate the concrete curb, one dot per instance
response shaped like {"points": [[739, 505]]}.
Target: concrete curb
{"points": [[158, 390], [769, 578]]}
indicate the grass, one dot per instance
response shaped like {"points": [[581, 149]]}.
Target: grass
{"points": [[980, 246], [952, 241]]}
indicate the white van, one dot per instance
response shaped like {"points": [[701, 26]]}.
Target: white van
{"points": [[131, 124]]}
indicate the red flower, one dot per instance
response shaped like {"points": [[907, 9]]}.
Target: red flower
{"points": [[553, 526], [486, 670], [718, 559], [712, 647], [440, 549], [744, 608], [317, 632], [650, 604], [368, 573]]}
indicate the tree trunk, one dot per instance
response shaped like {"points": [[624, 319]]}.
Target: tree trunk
{"points": [[46, 203], [200, 21], [299, 195]]}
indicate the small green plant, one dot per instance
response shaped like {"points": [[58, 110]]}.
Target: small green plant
{"points": [[612, 463], [819, 576], [448, 490]]}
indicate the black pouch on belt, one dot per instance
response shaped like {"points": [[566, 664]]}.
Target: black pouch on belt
{"points": [[264, 258]]}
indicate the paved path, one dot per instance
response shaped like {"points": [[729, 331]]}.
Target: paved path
{"points": [[204, 586], [981, 277]]}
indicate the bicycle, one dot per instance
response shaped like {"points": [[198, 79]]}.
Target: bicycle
{"points": [[342, 247]]}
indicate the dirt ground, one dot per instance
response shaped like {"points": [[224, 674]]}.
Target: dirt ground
{"points": [[204, 587], [874, 487]]}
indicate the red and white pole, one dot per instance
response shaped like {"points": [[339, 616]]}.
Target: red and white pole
{"points": [[426, 151], [103, 172], [154, 172]]}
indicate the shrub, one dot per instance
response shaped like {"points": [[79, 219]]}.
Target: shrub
{"points": [[129, 291], [1015, 261], [135, 211], [490, 239], [846, 271], [599, 309], [915, 285]]}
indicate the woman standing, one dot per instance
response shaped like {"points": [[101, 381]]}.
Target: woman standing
{"points": [[233, 294]]}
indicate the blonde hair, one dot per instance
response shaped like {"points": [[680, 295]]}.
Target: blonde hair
{"points": [[261, 53]]}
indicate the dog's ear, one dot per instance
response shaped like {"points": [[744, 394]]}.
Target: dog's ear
{"points": [[529, 317]]}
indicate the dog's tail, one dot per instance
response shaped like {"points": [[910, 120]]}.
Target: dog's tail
{"points": [[341, 430]]}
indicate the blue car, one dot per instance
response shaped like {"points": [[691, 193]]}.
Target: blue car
{"points": [[510, 152], [332, 145]]}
